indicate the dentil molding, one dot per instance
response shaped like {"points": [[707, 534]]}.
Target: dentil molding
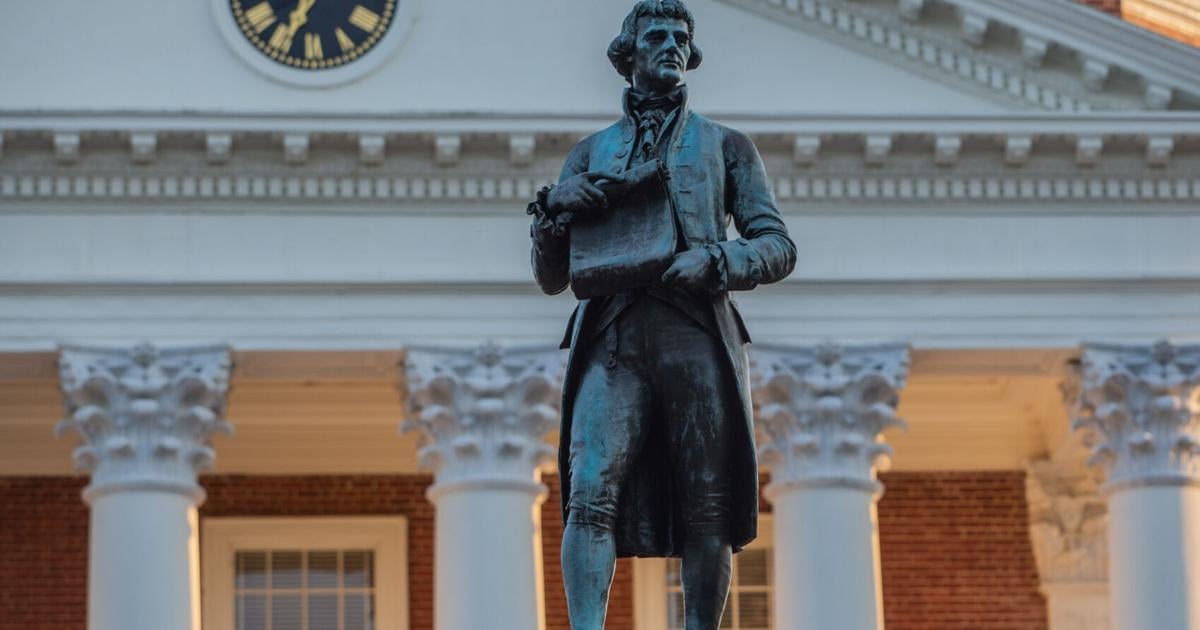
{"points": [[145, 414], [389, 162]]}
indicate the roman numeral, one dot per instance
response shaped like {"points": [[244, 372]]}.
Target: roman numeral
{"points": [[364, 18], [282, 38], [344, 40], [312, 46], [260, 16]]}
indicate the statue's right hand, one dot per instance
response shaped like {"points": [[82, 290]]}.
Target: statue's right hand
{"points": [[579, 194]]}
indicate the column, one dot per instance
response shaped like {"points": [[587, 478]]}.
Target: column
{"points": [[1142, 400], [1068, 526], [146, 416], [483, 416], [820, 414]]}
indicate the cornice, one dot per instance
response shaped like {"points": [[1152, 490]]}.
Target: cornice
{"points": [[1095, 35], [549, 122], [130, 158], [1038, 54]]}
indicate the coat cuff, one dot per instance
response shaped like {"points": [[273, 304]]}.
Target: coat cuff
{"points": [[546, 224], [743, 265], [720, 268]]}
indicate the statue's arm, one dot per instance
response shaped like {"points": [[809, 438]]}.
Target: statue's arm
{"points": [[551, 243], [764, 253]]}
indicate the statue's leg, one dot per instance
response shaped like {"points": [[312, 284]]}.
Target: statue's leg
{"points": [[707, 568], [693, 386], [606, 432]]}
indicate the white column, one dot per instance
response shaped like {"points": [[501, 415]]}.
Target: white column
{"points": [[1068, 526], [484, 416], [1144, 403], [821, 412], [146, 416]]}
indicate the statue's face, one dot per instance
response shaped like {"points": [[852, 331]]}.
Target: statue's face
{"points": [[661, 55]]}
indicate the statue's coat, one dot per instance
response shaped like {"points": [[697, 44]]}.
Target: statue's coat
{"points": [[716, 174]]}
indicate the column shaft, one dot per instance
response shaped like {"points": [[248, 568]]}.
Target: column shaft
{"points": [[1155, 555], [488, 547], [1144, 404], [821, 415], [146, 417], [143, 569], [826, 559], [483, 417]]}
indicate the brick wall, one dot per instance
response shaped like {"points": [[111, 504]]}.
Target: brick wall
{"points": [[955, 546], [956, 553], [43, 554]]}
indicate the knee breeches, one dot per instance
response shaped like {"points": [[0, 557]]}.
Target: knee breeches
{"points": [[653, 371]]}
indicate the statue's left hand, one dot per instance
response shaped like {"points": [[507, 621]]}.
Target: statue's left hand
{"points": [[691, 270]]}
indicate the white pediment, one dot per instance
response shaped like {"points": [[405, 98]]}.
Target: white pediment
{"points": [[539, 57], [1051, 55]]}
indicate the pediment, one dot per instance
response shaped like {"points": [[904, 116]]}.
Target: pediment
{"points": [[1049, 55], [538, 58]]}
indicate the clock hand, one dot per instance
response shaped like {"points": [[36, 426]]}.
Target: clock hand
{"points": [[299, 16]]}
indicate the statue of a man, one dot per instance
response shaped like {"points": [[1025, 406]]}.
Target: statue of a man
{"points": [[656, 454]]}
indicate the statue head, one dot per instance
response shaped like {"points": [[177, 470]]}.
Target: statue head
{"points": [[655, 49]]}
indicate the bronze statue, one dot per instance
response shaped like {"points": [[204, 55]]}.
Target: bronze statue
{"points": [[656, 453]]}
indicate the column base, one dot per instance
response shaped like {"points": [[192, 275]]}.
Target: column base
{"points": [[471, 484], [185, 488]]}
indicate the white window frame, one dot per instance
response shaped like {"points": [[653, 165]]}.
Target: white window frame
{"points": [[650, 582], [386, 536]]}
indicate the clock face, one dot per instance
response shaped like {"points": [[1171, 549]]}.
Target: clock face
{"points": [[313, 34]]}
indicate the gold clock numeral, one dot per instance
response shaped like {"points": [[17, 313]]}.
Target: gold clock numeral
{"points": [[312, 46], [364, 18], [282, 38], [344, 40], [261, 16]]}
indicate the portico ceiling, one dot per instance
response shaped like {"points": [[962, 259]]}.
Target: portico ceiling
{"points": [[339, 412]]}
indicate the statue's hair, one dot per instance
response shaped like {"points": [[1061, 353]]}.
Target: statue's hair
{"points": [[620, 51]]}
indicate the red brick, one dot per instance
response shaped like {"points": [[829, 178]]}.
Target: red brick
{"points": [[955, 546], [956, 553]]}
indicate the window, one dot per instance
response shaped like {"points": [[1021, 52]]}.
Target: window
{"points": [[305, 574], [658, 596]]}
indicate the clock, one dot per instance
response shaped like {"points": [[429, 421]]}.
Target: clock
{"points": [[314, 43], [313, 34]]}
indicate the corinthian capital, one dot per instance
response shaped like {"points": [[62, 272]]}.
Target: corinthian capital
{"points": [[146, 414], [483, 414], [821, 411], [1143, 402], [1068, 523]]}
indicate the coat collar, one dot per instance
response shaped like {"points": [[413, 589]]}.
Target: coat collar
{"points": [[628, 97], [629, 122]]}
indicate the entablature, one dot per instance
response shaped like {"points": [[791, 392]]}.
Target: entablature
{"points": [[369, 160]]}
